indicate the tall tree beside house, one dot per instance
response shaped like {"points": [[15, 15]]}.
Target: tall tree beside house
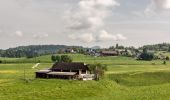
{"points": [[98, 69]]}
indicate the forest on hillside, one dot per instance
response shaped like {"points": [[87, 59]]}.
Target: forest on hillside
{"points": [[33, 50]]}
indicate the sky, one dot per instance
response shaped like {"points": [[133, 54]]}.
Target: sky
{"points": [[84, 22]]}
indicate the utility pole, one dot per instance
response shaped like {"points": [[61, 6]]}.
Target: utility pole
{"points": [[24, 73], [4, 60]]}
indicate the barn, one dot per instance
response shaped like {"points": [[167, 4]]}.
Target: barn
{"points": [[74, 70], [109, 53]]}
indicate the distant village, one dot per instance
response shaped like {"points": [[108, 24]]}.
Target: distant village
{"points": [[119, 51], [97, 51]]}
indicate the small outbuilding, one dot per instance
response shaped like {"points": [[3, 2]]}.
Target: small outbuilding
{"points": [[42, 73]]}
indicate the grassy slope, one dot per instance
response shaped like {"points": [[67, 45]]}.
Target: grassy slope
{"points": [[126, 78]]}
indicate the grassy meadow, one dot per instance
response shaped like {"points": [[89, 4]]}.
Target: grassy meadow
{"points": [[126, 79]]}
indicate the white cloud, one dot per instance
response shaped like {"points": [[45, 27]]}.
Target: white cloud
{"points": [[24, 3], [19, 33], [105, 36], [90, 14], [161, 4], [157, 5], [86, 38], [120, 37], [1, 33], [40, 35]]}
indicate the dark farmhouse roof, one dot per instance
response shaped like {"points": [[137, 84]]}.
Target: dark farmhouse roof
{"points": [[69, 66]]}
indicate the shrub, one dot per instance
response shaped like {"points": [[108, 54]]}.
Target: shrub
{"points": [[164, 62]]}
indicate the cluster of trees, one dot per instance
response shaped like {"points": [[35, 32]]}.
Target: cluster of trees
{"points": [[121, 47], [62, 58], [145, 55], [117, 47]]}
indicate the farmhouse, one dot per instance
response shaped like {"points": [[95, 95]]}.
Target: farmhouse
{"points": [[66, 71], [109, 53]]}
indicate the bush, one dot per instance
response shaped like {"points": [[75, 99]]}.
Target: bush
{"points": [[0, 61], [164, 62]]}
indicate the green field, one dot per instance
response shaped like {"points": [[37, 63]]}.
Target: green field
{"points": [[126, 79]]}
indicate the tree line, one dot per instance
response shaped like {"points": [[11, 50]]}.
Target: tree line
{"points": [[62, 58], [157, 47]]}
